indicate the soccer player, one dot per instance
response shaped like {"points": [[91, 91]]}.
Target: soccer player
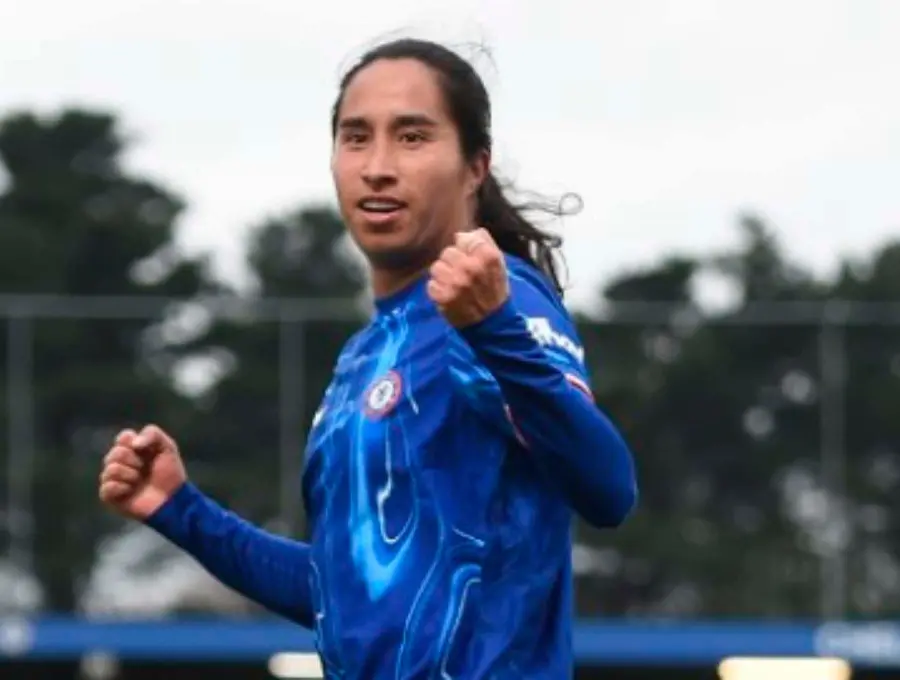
{"points": [[458, 433]]}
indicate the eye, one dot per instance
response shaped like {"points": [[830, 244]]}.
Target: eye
{"points": [[412, 137], [354, 138]]}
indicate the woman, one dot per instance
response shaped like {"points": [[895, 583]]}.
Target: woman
{"points": [[458, 432]]}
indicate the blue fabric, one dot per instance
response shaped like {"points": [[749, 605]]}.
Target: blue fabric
{"points": [[442, 469]]}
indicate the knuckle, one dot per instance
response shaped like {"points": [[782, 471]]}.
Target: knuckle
{"points": [[442, 270], [123, 472], [117, 454], [154, 434], [473, 270]]}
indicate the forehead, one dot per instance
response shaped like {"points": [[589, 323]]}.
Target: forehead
{"points": [[392, 87]]}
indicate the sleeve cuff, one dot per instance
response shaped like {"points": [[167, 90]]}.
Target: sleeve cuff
{"points": [[169, 518], [504, 316]]}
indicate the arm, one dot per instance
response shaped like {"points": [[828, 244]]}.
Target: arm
{"points": [[269, 569], [529, 347]]}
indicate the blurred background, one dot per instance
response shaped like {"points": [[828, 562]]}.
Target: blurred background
{"points": [[170, 253]]}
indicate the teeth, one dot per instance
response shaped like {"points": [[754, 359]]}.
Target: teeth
{"points": [[380, 206]]}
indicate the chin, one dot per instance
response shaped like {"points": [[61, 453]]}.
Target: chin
{"points": [[395, 253], [401, 259]]}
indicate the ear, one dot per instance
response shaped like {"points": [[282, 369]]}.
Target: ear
{"points": [[477, 171]]}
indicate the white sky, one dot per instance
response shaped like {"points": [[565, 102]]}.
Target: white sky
{"points": [[668, 117]]}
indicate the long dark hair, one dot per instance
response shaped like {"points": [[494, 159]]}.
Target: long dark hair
{"points": [[470, 108]]}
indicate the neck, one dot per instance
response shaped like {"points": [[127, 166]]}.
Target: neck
{"points": [[386, 282], [393, 272]]}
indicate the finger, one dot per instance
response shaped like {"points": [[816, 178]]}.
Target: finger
{"points": [[151, 440], [466, 259], [123, 456], [442, 272], [113, 491], [116, 472], [487, 259], [125, 437], [439, 293], [453, 256], [480, 248], [465, 268], [470, 241], [457, 276], [464, 238]]}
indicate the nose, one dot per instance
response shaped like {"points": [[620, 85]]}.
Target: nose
{"points": [[379, 170]]}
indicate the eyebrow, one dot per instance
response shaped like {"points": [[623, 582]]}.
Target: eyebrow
{"points": [[414, 120], [402, 121]]}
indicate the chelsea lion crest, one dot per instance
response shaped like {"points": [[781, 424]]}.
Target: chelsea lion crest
{"points": [[383, 395]]}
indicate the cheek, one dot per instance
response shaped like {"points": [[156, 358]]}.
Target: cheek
{"points": [[440, 183], [341, 176]]}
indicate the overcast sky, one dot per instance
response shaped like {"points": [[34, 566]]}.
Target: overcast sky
{"points": [[668, 117]]}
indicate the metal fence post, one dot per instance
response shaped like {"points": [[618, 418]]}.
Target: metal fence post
{"points": [[832, 369], [20, 436], [291, 338]]}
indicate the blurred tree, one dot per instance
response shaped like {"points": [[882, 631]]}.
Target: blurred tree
{"points": [[724, 411], [256, 417], [871, 424], [74, 222], [724, 408]]}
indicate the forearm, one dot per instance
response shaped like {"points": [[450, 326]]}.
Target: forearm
{"points": [[575, 443], [269, 569]]}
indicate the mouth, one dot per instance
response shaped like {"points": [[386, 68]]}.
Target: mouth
{"points": [[380, 209]]}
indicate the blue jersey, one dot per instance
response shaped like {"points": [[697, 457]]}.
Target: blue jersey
{"points": [[441, 473]]}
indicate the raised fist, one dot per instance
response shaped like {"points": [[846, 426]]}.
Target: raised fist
{"points": [[469, 281], [141, 472]]}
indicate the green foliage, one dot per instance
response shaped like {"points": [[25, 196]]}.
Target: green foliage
{"points": [[298, 256], [723, 408], [724, 411], [73, 222]]}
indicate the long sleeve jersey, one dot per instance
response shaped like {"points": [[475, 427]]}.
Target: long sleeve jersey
{"points": [[442, 469]]}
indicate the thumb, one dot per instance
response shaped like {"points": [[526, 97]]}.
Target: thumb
{"points": [[465, 237], [126, 438], [468, 240]]}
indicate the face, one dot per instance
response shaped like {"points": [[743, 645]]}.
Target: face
{"points": [[403, 185]]}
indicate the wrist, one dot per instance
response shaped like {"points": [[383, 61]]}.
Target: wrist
{"points": [[499, 318], [173, 508]]}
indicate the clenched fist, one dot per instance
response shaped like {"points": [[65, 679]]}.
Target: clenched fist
{"points": [[141, 472], [469, 281]]}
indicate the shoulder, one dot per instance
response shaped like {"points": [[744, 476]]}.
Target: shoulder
{"points": [[347, 358], [529, 285], [545, 314]]}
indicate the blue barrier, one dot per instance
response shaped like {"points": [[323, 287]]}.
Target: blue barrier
{"points": [[684, 643]]}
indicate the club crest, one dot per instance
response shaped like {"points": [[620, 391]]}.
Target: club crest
{"points": [[383, 395]]}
